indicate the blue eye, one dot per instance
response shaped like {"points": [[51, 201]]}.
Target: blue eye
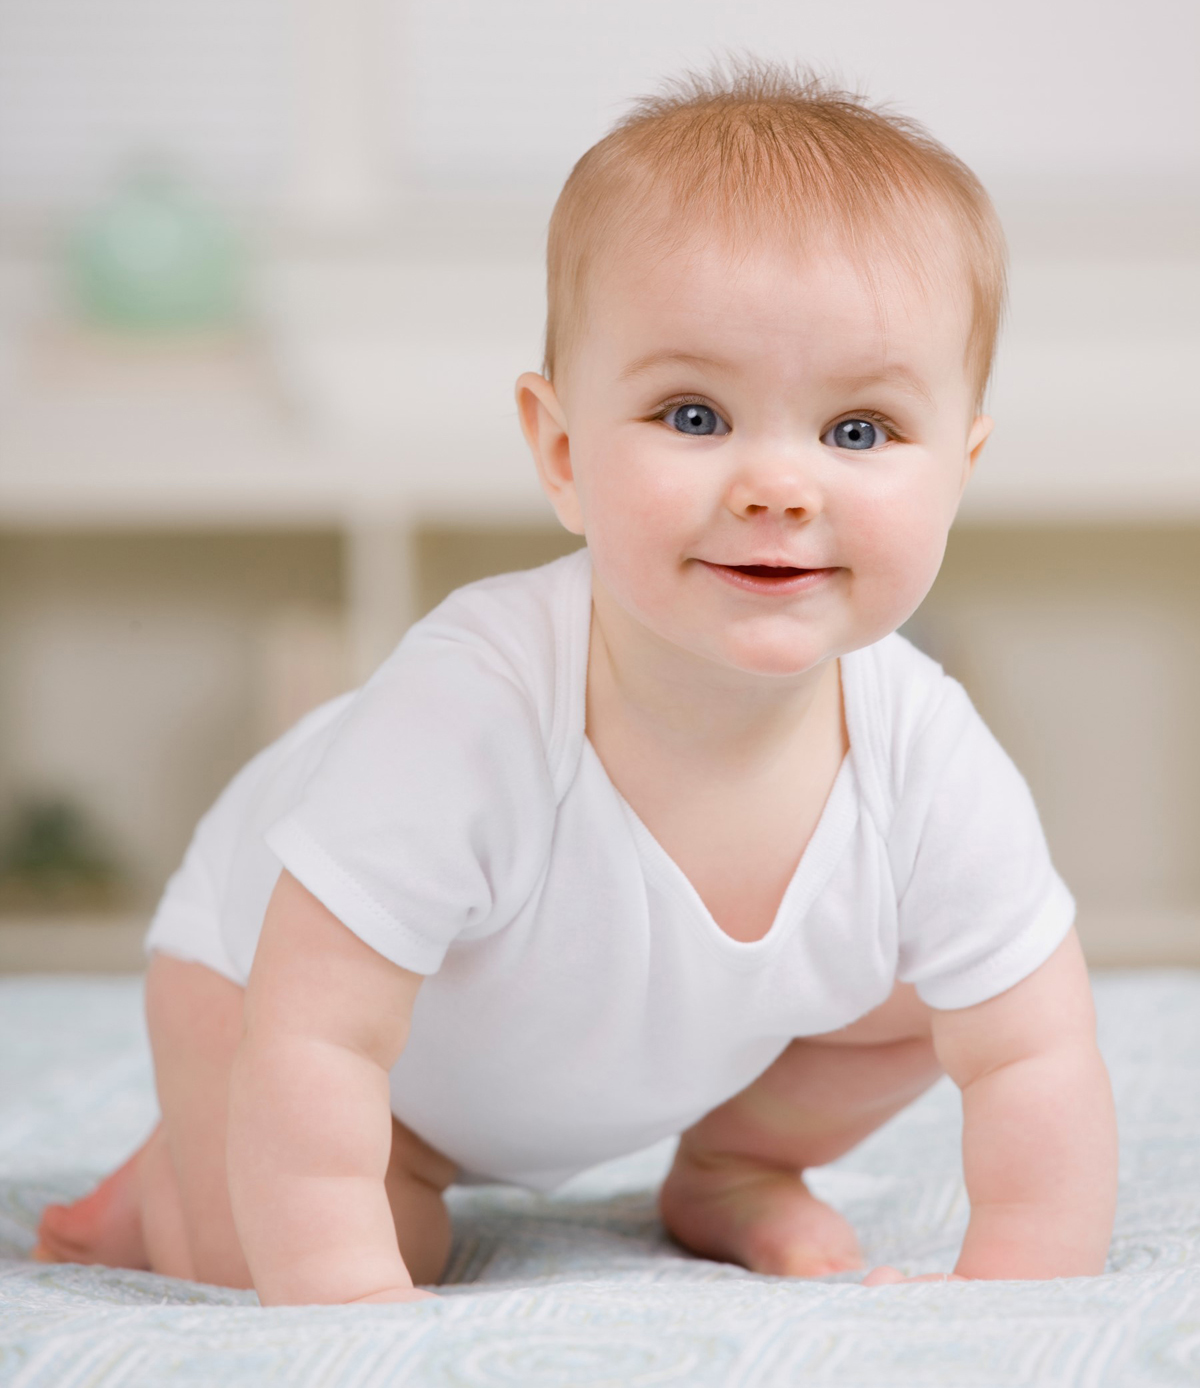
{"points": [[856, 433], [700, 420]]}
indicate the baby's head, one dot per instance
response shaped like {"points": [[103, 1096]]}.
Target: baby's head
{"points": [[771, 318]]}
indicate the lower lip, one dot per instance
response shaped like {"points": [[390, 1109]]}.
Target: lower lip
{"points": [[797, 583]]}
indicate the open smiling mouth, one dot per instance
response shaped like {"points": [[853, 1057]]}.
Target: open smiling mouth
{"points": [[769, 578]]}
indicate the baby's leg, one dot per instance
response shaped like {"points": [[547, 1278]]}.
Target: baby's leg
{"points": [[736, 1192], [167, 1208]]}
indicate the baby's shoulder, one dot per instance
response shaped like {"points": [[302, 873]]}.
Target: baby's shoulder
{"points": [[910, 716], [510, 615], [521, 633], [902, 689]]}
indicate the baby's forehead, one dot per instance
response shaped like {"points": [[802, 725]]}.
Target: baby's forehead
{"points": [[767, 295], [915, 262]]}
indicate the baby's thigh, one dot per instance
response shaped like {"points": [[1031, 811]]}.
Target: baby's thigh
{"points": [[194, 1017], [825, 1093], [866, 1070], [190, 1007]]}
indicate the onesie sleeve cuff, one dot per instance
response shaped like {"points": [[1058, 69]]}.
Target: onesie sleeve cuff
{"points": [[315, 870], [1016, 960]]}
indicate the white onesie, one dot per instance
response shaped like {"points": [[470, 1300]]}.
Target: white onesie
{"points": [[582, 1002]]}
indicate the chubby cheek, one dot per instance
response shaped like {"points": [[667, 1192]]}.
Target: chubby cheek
{"points": [[640, 521], [894, 543]]}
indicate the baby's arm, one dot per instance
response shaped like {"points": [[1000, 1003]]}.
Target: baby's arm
{"points": [[310, 1128], [1039, 1134]]}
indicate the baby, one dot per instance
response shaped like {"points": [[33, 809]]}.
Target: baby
{"points": [[673, 835]]}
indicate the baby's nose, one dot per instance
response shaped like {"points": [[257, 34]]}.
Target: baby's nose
{"points": [[776, 482]]}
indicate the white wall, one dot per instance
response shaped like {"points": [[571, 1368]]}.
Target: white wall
{"points": [[1033, 87], [477, 94]]}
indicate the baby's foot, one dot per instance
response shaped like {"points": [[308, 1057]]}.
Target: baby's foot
{"points": [[761, 1217], [104, 1226]]}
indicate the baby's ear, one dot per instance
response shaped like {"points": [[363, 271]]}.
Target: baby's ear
{"points": [[544, 425], [981, 428]]}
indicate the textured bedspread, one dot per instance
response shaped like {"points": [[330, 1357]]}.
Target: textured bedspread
{"points": [[582, 1288]]}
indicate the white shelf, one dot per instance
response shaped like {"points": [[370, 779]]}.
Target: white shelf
{"points": [[238, 434]]}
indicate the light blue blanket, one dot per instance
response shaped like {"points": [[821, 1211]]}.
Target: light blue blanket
{"points": [[582, 1288]]}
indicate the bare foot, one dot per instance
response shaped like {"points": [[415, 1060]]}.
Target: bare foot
{"points": [[104, 1226], [763, 1218]]}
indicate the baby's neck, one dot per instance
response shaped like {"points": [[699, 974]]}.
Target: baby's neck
{"points": [[678, 707]]}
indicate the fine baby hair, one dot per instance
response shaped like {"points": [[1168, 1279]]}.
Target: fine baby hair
{"points": [[774, 151]]}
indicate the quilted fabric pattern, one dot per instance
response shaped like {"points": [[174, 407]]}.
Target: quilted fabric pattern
{"points": [[582, 1287]]}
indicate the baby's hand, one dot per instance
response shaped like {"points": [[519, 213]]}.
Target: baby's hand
{"points": [[886, 1277]]}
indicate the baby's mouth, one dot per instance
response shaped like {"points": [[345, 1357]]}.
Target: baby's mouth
{"points": [[771, 578], [766, 570]]}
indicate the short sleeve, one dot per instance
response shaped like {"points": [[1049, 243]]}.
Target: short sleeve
{"points": [[980, 904], [429, 816]]}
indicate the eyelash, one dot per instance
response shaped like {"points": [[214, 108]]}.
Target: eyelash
{"points": [[873, 415]]}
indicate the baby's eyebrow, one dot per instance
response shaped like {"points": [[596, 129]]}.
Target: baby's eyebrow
{"points": [[896, 374], [675, 358], [899, 375]]}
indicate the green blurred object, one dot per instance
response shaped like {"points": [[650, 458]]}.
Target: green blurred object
{"points": [[155, 257], [50, 861]]}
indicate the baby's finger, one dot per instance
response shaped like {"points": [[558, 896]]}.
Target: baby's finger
{"points": [[395, 1295], [886, 1277]]}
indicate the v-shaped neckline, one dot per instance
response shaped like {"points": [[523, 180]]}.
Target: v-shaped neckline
{"points": [[821, 853], [817, 862]]}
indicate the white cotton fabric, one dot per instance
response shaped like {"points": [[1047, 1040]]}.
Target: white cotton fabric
{"points": [[581, 1000]]}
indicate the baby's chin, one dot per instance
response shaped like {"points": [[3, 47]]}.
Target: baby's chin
{"points": [[772, 650], [774, 656]]}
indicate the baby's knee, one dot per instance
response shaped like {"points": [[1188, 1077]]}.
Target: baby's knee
{"points": [[416, 1177]]}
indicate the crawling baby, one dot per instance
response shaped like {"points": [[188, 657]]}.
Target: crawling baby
{"points": [[672, 835]]}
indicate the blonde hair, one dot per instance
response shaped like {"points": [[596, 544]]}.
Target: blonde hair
{"points": [[783, 152]]}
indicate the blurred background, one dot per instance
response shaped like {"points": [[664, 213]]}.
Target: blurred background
{"points": [[268, 271]]}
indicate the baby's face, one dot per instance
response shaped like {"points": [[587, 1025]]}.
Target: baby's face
{"points": [[722, 413]]}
